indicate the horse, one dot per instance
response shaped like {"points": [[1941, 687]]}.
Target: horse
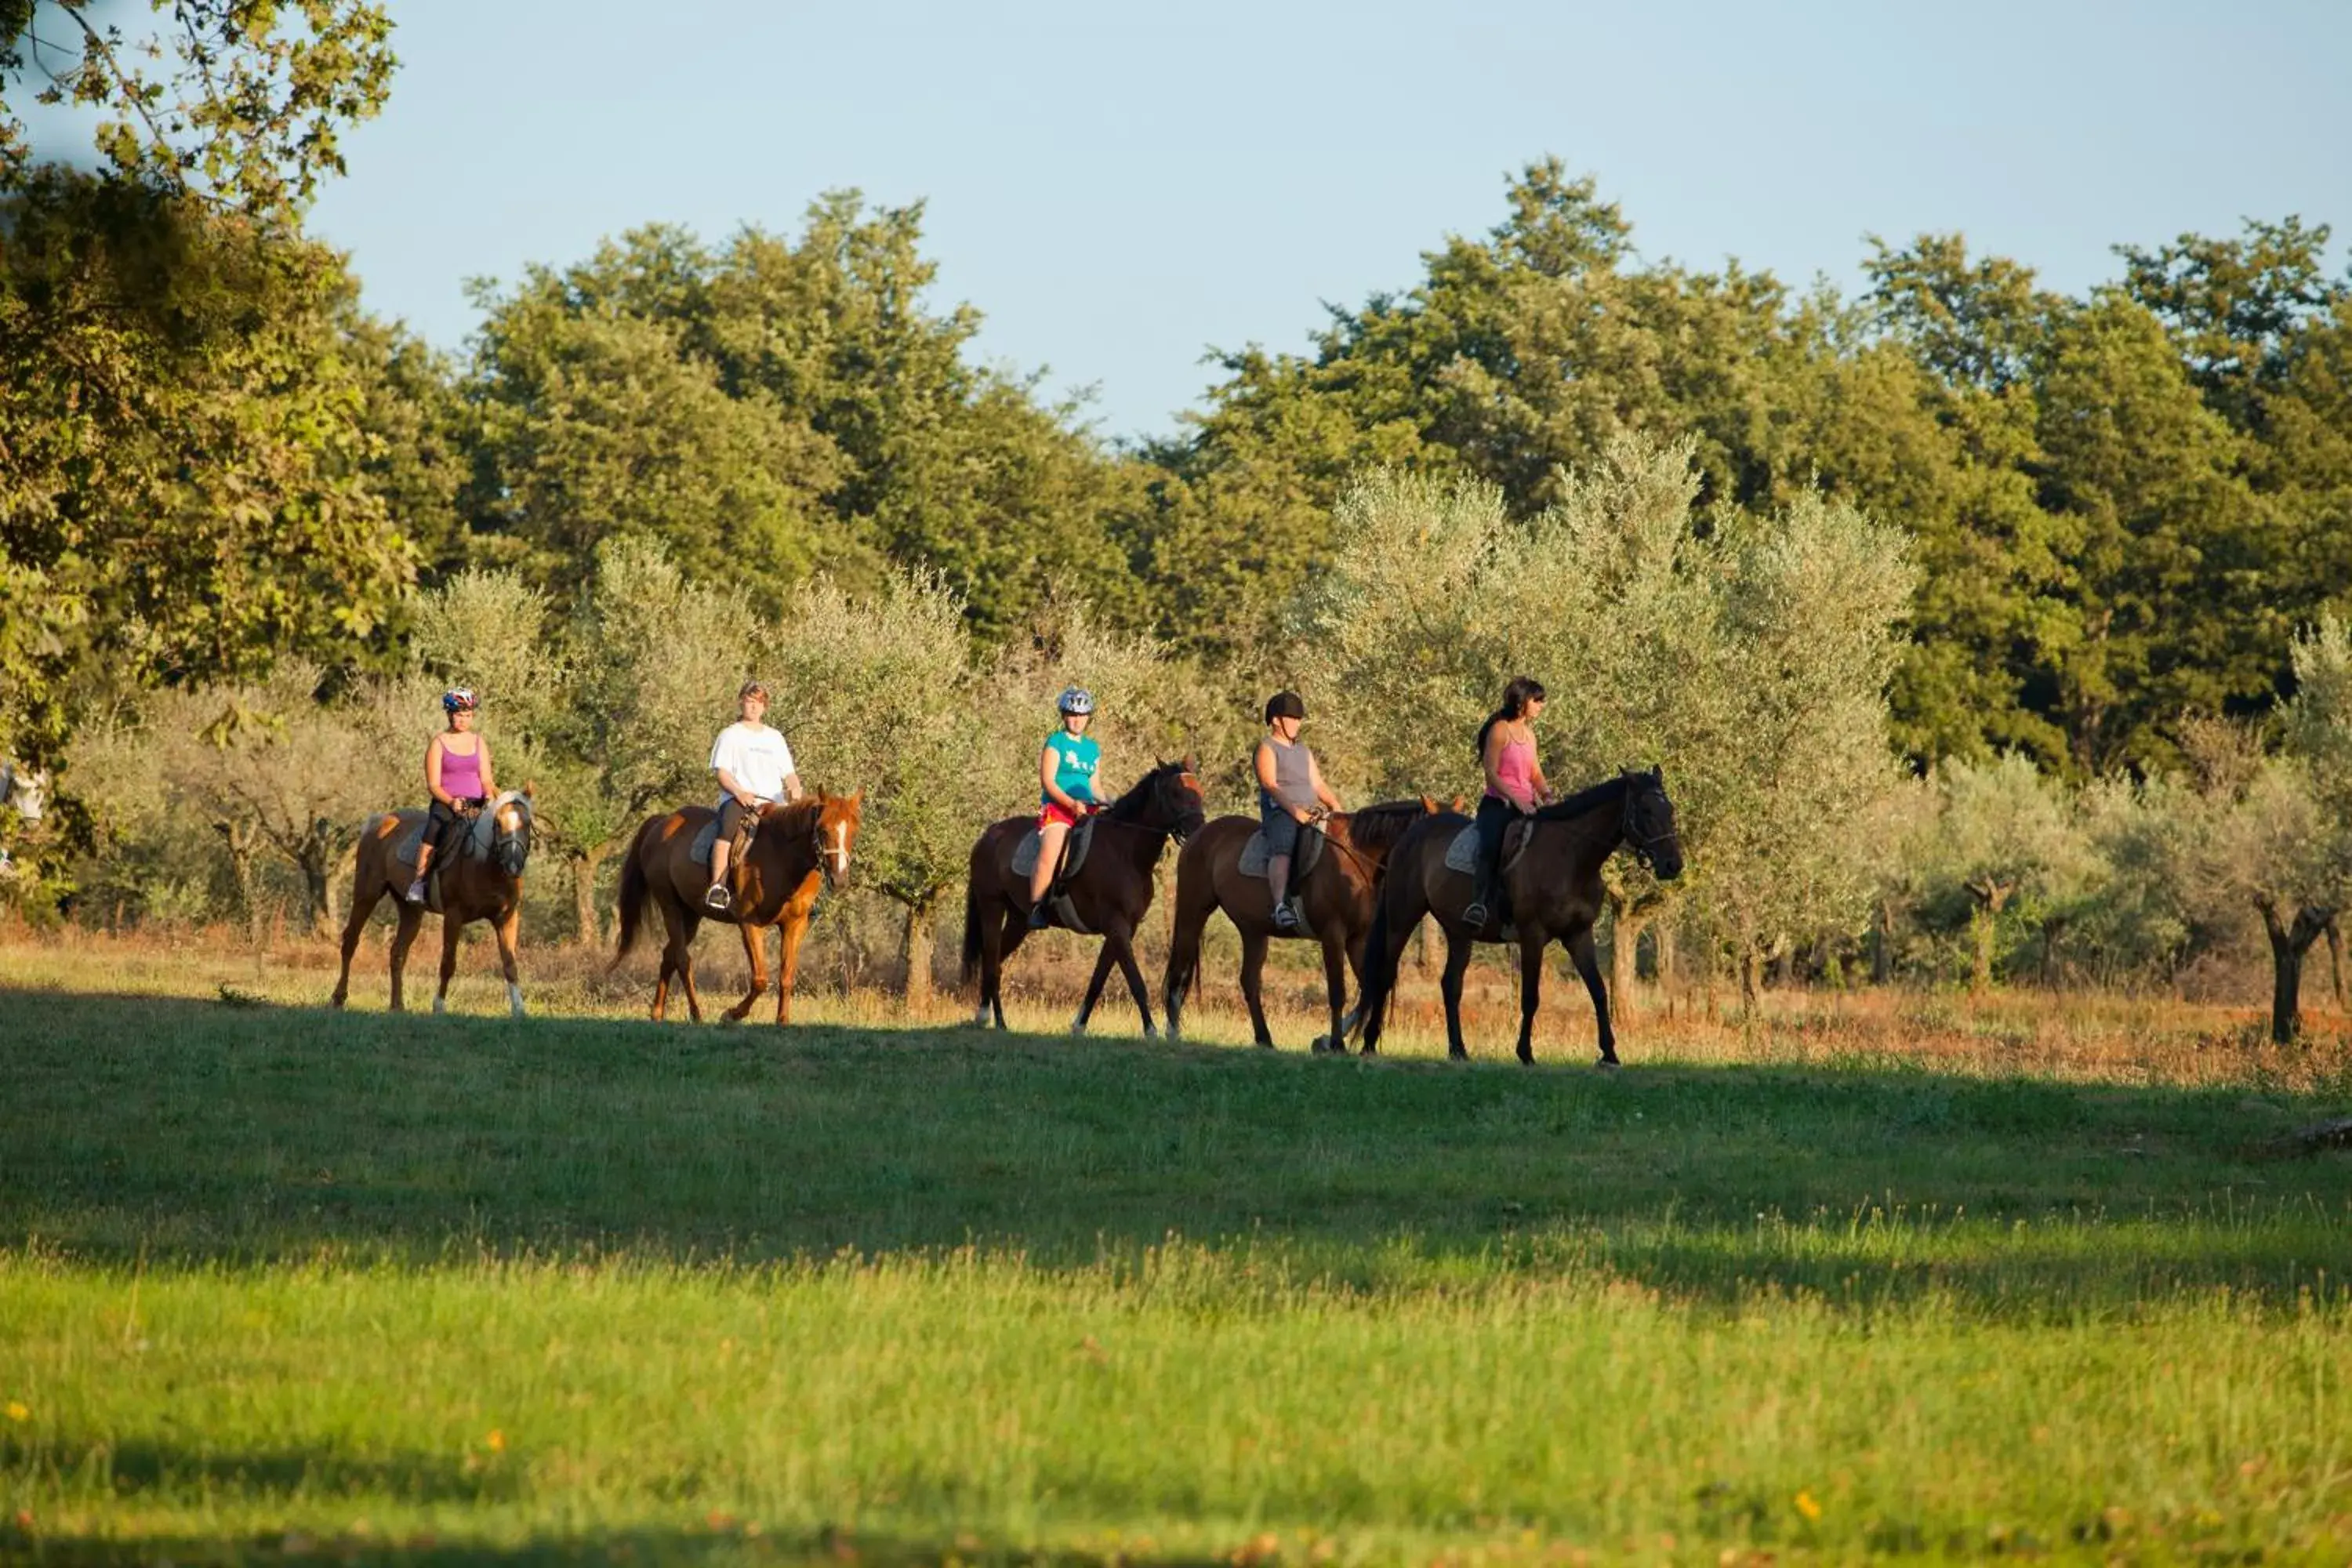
{"points": [[1553, 885], [1108, 892], [796, 850], [487, 888], [1335, 897]]}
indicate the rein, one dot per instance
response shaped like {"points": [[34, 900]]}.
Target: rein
{"points": [[1646, 849]]}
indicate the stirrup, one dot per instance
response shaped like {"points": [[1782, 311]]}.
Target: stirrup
{"points": [[1476, 915], [1284, 916], [1041, 914], [416, 894], [719, 898]]}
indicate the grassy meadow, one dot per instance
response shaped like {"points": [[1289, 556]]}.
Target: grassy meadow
{"points": [[1873, 1274]]}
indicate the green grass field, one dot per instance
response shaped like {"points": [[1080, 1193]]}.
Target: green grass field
{"points": [[280, 1283]]}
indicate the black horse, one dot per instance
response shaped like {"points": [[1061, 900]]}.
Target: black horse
{"points": [[1554, 889]]}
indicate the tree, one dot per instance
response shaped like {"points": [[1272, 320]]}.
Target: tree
{"points": [[178, 490], [2005, 839]]}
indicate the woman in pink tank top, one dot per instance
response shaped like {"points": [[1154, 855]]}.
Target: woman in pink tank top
{"points": [[1514, 786], [457, 772]]}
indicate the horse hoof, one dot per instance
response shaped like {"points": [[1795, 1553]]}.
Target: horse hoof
{"points": [[1607, 1064], [1149, 1033]]}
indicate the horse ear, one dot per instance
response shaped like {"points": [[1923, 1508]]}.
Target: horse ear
{"points": [[856, 795], [531, 791], [1191, 763]]}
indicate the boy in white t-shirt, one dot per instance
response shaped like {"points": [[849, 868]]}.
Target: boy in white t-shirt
{"points": [[755, 768]]}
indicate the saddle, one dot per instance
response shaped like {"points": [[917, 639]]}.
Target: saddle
{"points": [[1462, 856], [1254, 859], [746, 829], [1074, 856], [472, 841]]}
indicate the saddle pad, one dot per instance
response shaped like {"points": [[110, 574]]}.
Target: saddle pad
{"points": [[1462, 855], [1024, 856], [700, 850], [1254, 858], [474, 844]]}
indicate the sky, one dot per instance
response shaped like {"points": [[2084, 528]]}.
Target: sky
{"points": [[1120, 189]]}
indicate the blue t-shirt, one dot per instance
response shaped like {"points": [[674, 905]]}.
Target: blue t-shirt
{"points": [[1076, 758]]}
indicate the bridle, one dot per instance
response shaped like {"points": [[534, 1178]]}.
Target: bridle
{"points": [[833, 859], [1646, 848], [510, 846]]}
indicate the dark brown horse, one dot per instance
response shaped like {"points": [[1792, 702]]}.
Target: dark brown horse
{"points": [[1109, 893], [1336, 897], [797, 849], [470, 888], [1554, 891]]}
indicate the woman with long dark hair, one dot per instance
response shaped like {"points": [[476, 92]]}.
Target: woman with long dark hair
{"points": [[1514, 785]]}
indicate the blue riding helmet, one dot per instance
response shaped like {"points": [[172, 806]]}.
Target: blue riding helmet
{"points": [[1077, 700], [458, 699]]}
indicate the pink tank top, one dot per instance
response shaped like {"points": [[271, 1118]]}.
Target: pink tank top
{"points": [[1516, 769], [461, 775]]}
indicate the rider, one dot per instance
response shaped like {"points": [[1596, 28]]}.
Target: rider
{"points": [[755, 768], [458, 774], [1515, 782], [1065, 770], [1290, 792]]}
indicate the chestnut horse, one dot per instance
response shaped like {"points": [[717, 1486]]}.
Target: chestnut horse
{"points": [[471, 890], [796, 850], [1554, 891], [1109, 892], [1336, 896]]}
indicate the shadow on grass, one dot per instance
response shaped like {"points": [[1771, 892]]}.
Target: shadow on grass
{"points": [[167, 1128], [640, 1548]]}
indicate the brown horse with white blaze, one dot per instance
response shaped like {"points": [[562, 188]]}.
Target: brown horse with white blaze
{"points": [[1335, 898], [1108, 892], [1554, 889], [485, 888], [796, 851]]}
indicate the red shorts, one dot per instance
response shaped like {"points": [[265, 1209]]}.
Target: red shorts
{"points": [[1054, 811]]}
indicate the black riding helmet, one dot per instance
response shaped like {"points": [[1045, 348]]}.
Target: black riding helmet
{"points": [[1285, 705]]}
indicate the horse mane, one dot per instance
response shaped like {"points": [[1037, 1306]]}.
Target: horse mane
{"points": [[1584, 800], [799, 816], [1129, 807], [1380, 826]]}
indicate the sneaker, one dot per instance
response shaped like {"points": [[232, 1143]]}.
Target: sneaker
{"points": [[1284, 916], [719, 898], [416, 894]]}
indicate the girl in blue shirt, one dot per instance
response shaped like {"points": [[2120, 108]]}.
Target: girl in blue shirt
{"points": [[1065, 769]]}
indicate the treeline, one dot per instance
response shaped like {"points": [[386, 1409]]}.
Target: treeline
{"points": [[223, 485]]}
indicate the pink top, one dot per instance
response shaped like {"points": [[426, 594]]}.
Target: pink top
{"points": [[1516, 769], [461, 772]]}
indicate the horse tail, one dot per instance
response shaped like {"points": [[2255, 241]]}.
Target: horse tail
{"points": [[634, 891], [971, 922], [1380, 968]]}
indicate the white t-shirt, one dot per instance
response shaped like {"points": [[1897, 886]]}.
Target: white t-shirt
{"points": [[756, 757]]}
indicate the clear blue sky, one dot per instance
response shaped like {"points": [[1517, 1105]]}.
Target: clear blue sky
{"points": [[1120, 187]]}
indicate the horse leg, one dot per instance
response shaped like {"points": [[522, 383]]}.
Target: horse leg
{"points": [[755, 953], [450, 932], [1457, 964], [1335, 984], [507, 928], [352, 929], [1119, 941], [403, 938], [1532, 943], [1588, 965], [1253, 982], [1183, 959], [1095, 988], [788, 963], [689, 923]]}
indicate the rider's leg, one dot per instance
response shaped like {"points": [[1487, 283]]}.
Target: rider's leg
{"points": [[722, 851], [1277, 878], [436, 824], [1050, 837], [1493, 816]]}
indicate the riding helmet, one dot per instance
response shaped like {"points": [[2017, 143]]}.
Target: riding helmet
{"points": [[1285, 705], [1077, 700]]}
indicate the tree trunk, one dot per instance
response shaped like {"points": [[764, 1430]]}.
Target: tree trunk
{"points": [[1751, 974], [915, 949], [1624, 966], [1882, 944], [2289, 941], [2335, 963], [584, 893], [319, 908], [1784, 962], [239, 839], [1989, 896]]}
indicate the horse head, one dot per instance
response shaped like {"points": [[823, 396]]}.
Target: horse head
{"points": [[1177, 799], [1649, 824], [833, 829], [510, 843]]}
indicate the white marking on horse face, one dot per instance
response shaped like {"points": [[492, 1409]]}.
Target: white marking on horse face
{"points": [[839, 853]]}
